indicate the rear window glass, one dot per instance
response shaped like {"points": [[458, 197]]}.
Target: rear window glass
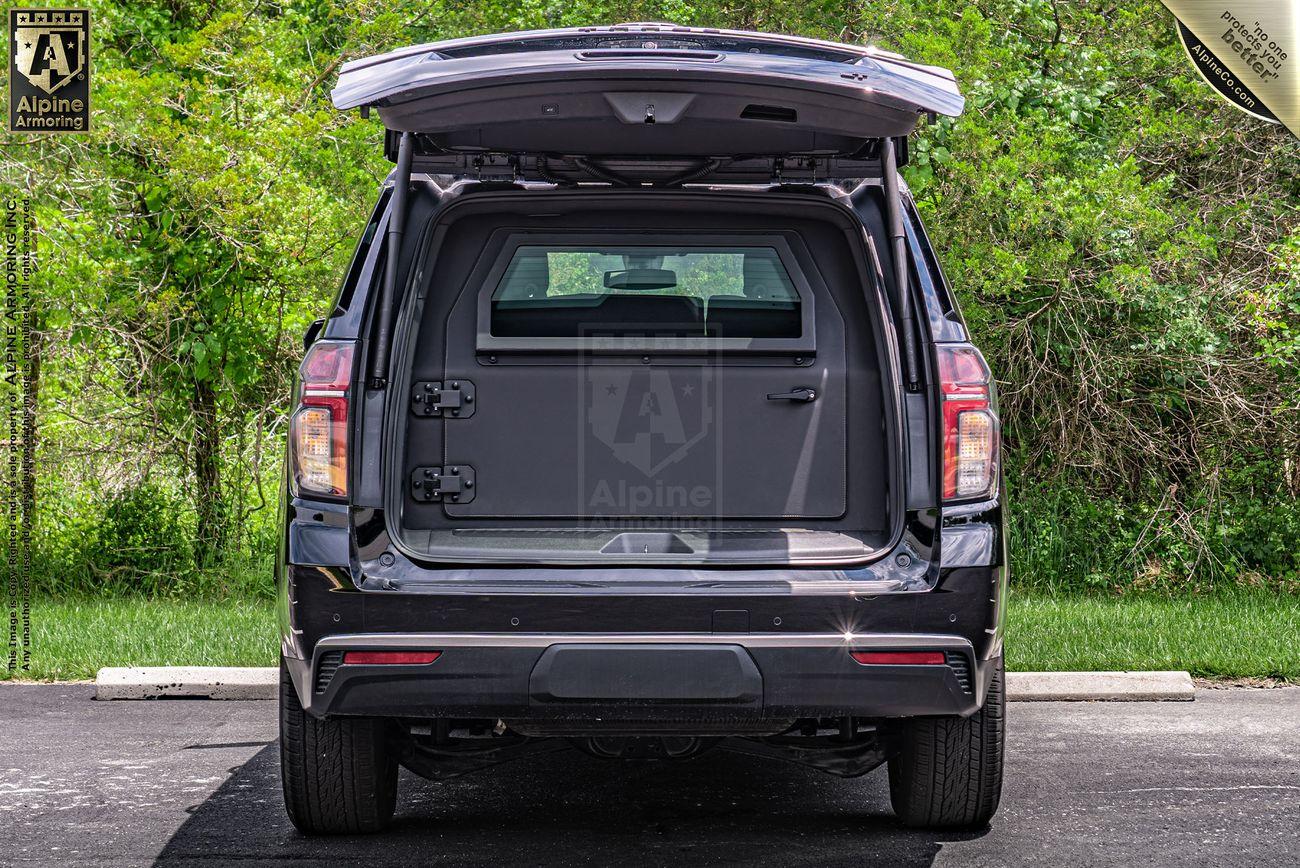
{"points": [[634, 290]]}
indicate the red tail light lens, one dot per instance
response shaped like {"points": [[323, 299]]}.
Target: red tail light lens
{"points": [[318, 430], [391, 658], [970, 424], [899, 658]]}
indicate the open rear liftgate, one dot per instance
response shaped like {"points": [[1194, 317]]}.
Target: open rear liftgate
{"points": [[632, 104]]}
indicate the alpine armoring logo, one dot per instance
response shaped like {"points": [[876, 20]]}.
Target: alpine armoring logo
{"points": [[649, 418], [49, 70], [642, 424]]}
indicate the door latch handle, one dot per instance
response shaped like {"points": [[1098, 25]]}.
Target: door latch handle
{"points": [[804, 395]]}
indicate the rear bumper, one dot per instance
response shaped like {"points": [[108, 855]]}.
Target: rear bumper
{"points": [[785, 643], [728, 680]]}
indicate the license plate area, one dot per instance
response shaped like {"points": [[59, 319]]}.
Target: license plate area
{"points": [[629, 675]]}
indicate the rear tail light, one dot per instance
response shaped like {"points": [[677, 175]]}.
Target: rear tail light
{"points": [[899, 658], [318, 430], [391, 658], [970, 424]]}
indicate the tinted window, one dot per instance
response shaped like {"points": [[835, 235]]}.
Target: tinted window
{"points": [[629, 289]]}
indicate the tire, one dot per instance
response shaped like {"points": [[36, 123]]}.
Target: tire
{"points": [[339, 775], [948, 772]]}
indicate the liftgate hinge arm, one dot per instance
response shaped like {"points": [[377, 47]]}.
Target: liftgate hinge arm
{"points": [[388, 291], [898, 248]]}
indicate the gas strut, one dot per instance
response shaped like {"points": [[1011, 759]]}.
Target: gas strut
{"points": [[894, 206], [388, 291]]}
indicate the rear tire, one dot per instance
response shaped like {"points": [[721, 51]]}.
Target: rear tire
{"points": [[339, 775], [948, 773]]}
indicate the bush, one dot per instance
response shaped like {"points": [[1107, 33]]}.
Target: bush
{"points": [[136, 541]]}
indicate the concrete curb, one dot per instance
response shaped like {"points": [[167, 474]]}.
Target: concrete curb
{"points": [[1100, 686], [216, 682], [204, 682]]}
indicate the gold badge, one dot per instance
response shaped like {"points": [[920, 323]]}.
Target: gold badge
{"points": [[1247, 51], [49, 70]]}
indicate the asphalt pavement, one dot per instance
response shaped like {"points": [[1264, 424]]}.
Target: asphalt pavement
{"points": [[166, 782]]}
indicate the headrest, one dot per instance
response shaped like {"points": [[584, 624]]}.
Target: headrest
{"points": [[529, 276], [763, 277]]}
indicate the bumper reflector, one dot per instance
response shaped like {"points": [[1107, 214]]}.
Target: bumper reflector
{"points": [[899, 658], [401, 658]]}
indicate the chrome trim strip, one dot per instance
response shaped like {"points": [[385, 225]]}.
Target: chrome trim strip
{"points": [[746, 640], [479, 587]]}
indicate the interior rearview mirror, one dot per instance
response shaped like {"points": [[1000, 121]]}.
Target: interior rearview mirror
{"points": [[641, 278]]}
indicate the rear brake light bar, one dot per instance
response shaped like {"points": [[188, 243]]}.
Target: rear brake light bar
{"points": [[318, 429], [391, 658], [899, 658], [970, 424]]}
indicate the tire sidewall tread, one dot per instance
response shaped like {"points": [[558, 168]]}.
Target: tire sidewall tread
{"points": [[948, 771], [339, 775]]}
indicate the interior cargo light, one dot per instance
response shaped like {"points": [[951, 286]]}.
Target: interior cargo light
{"points": [[394, 658], [899, 658], [970, 424], [318, 430]]}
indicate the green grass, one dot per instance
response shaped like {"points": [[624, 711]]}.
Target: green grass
{"points": [[72, 640], [1238, 635]]}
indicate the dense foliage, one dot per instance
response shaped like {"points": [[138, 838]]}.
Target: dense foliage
{"points": [[1126, 248]]}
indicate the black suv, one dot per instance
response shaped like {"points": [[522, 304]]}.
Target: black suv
{"points": [[644, 421]]}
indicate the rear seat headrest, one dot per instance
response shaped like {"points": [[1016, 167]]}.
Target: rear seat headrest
{"points": [[585, 313], [529, 276], [763, 277], [743, 317]]}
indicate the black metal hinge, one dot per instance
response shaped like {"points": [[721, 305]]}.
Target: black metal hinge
{"points": [[438, 484], [436, 398]]}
